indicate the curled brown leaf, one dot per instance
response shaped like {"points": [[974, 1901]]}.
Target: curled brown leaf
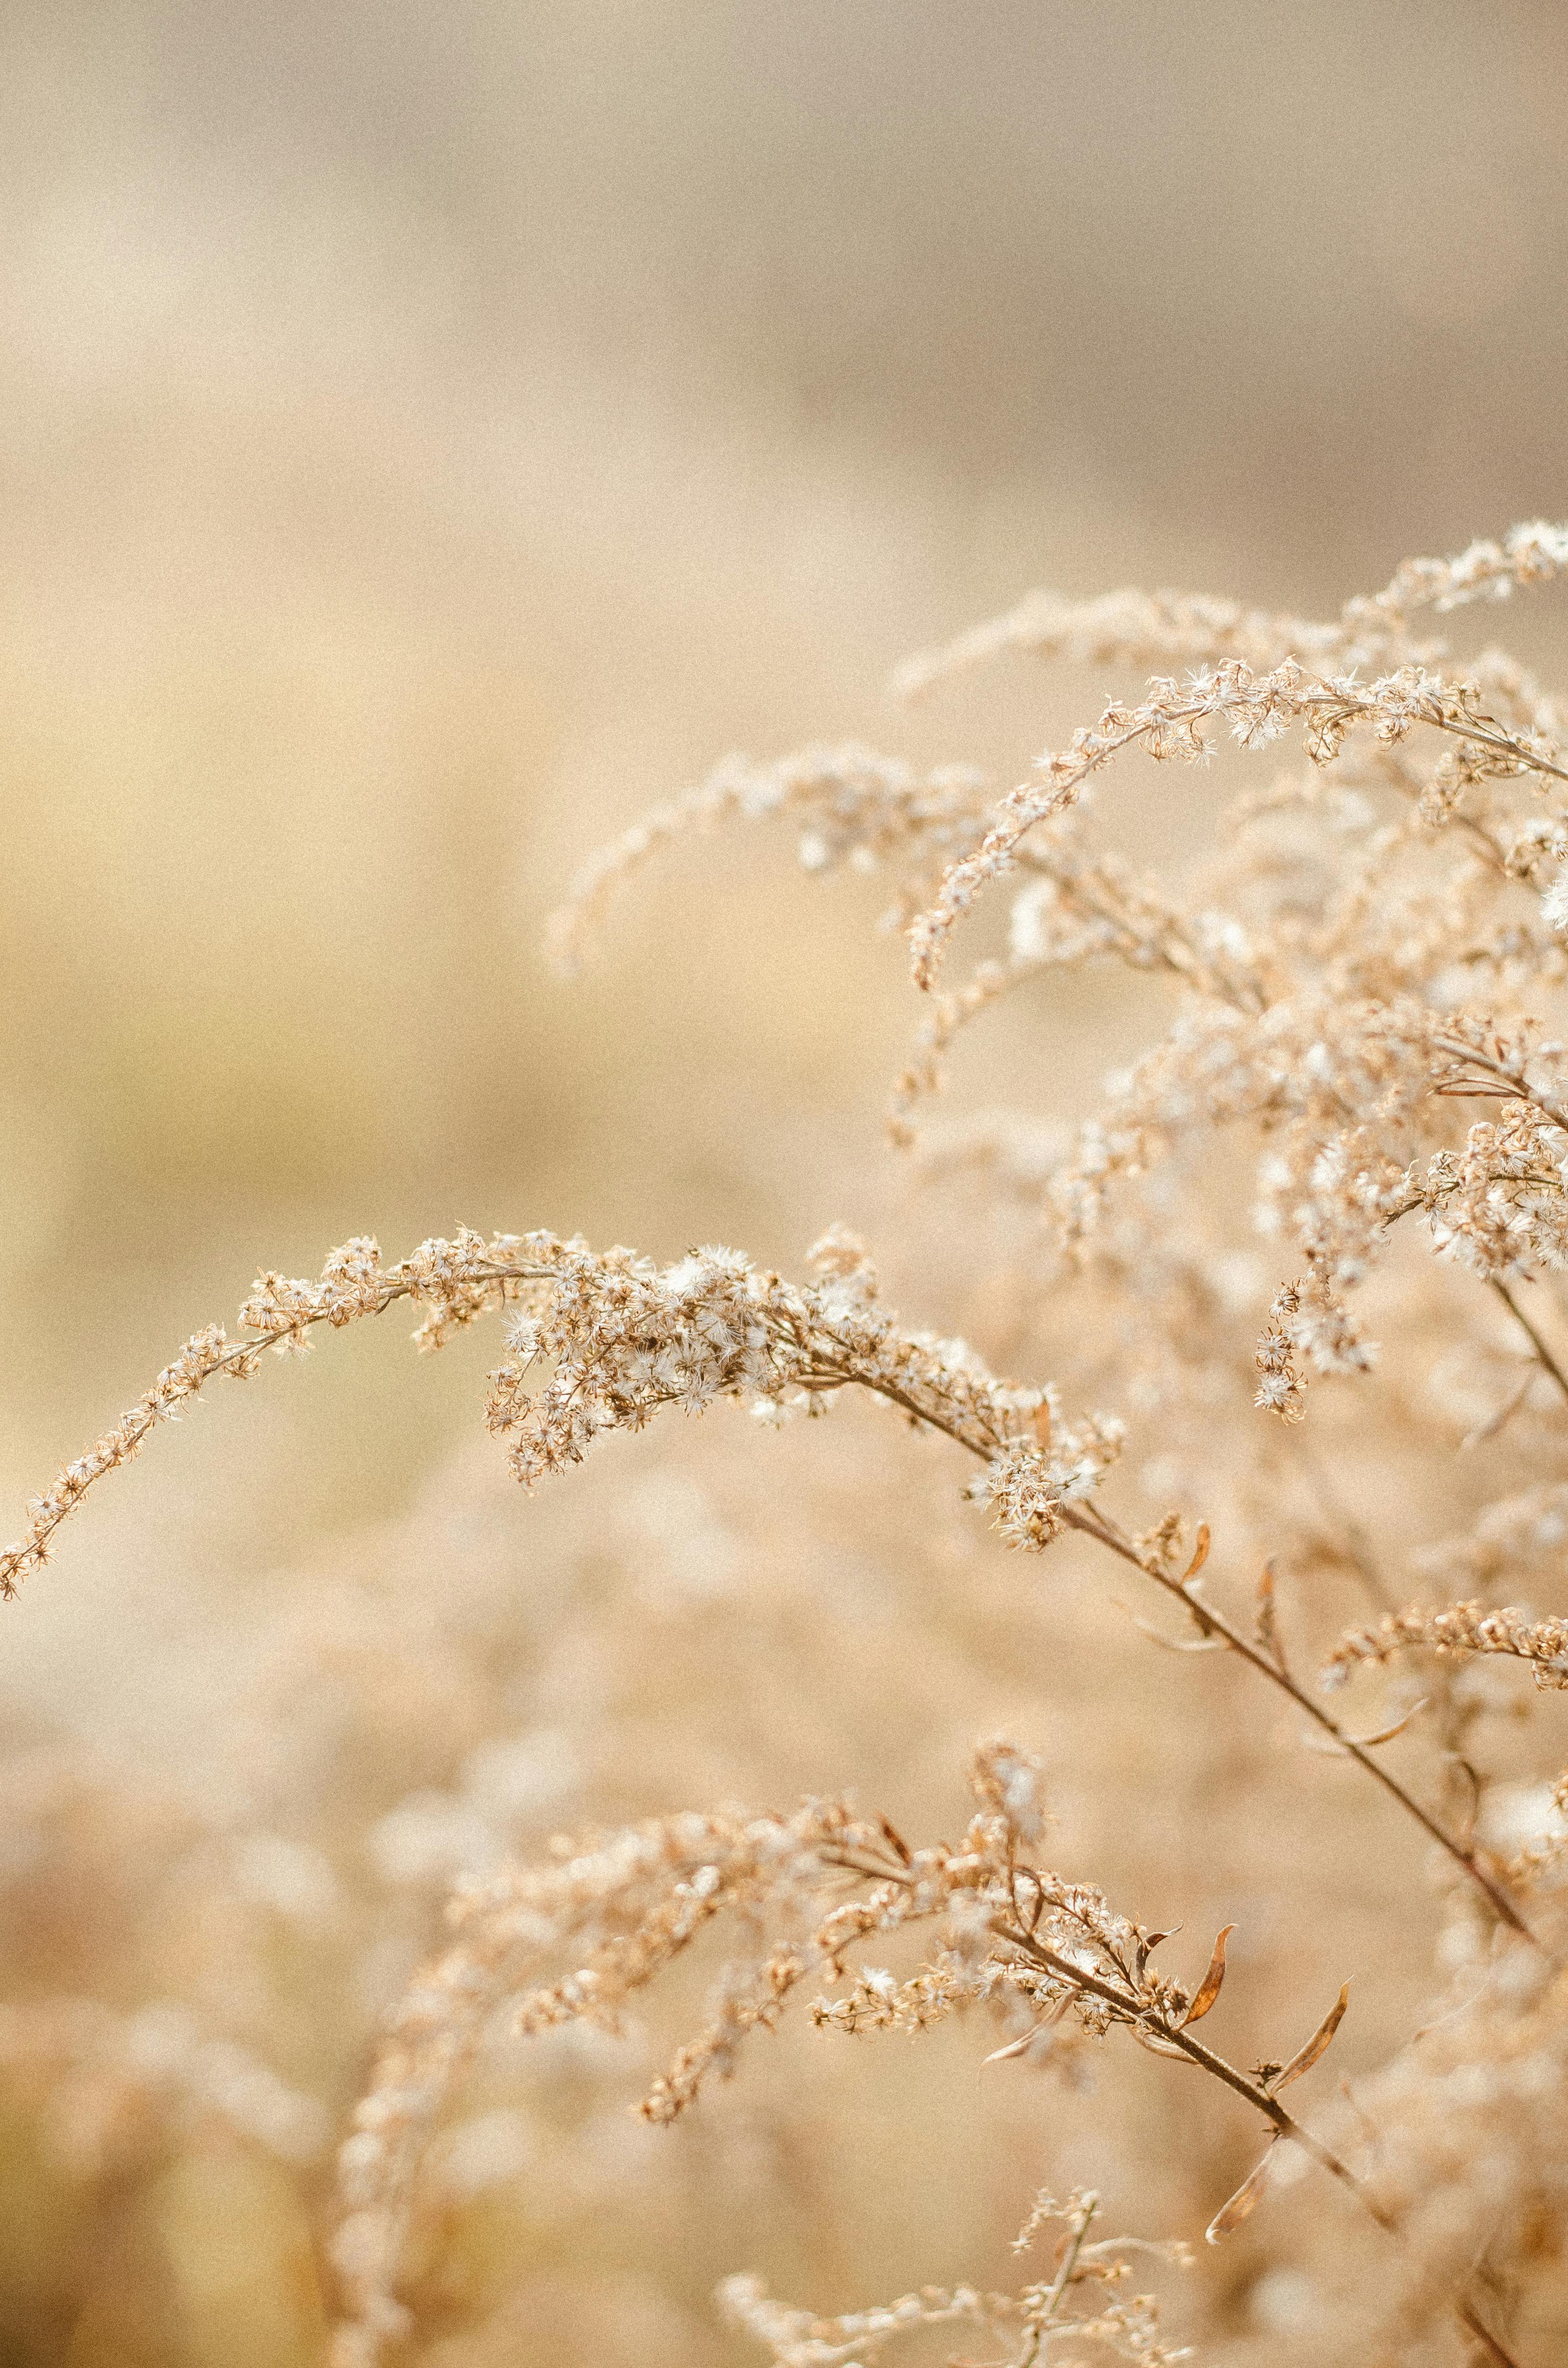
{"points": [[1307, 2057], [1230, 2215], [1209, 1989]]}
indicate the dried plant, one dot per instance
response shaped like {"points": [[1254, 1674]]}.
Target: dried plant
{"points": [[1031, 2323], [1350, 1110]]}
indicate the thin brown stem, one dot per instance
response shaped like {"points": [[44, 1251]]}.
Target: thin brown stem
{"points": [[234, 1358], [1544, 1356], [1504, 743], [1509, 1073], [1170, 947], [1128, 2007], [1213, 1623], [1410, 786], [1131, 2008], [1473, 2324], [1356, 1545], [1064, 2277]]}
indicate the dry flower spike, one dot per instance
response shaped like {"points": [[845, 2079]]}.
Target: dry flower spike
{"points": [[1350, 1107]]}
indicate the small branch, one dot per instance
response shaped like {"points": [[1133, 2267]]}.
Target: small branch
{"points": [[1357, 1546], [1544, 1356], [1469, 2319], [1214, 1624], [1064, 2277], [1129, 2008], [205, 1357], [1509, 1074], [1462, 1855]]}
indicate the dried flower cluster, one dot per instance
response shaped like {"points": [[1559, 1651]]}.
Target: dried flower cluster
{"points": [[1461, 1628], [1030, 2324], [806, 1890], [1307, 1245]]}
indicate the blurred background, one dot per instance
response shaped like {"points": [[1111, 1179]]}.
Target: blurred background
{"points": [[432, 435]]}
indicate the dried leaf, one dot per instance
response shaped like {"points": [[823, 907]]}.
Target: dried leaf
{"points": [[1147, 1946], [1328, 1748], [1158, 2046], [1042, 1426], [1387, 1734], [1309, 2055], [1311, 1739], [1267, 1633], [1017, 2047], [1176, 1644], [1209, 1989], [1509, 1407], [1242, 2202], [1472, 1779], [1171, 1644], [896, 1842], [1200, 1554], [1013, 2047], [1022, 2047]]}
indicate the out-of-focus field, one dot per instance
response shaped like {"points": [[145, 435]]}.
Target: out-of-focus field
{"points": [[430, 435]]}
